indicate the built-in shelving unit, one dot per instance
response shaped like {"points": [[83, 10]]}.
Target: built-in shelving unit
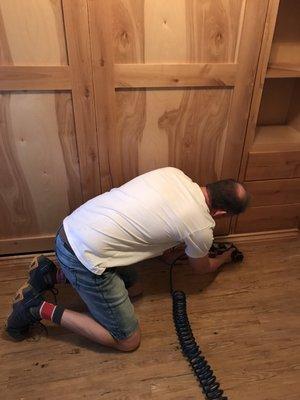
{"points": [[271, 169]]}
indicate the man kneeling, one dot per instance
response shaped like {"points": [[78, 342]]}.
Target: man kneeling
{"points": [[98, 242]]}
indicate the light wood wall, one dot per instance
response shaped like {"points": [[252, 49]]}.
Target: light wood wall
{"points": [[94, 93], [48, 145]]}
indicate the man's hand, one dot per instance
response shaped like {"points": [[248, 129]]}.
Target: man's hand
{"points": [[226, 256], [205, 264]]}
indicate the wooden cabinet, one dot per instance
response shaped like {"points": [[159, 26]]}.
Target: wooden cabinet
{"points": [[108, 90], [271, 162]]}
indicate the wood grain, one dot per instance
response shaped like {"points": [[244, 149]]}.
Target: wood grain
{"points": [[67, 136], [176, 128], [276, 138], [275, 102], [213, 30], [155, 45], [268, 218], [273, 161], [273, 192], [175, 31], [174, 75], [78, 42], [253, 237], [236, 316], [293, 117], [273, 165], [272, 149], [283, 70], [286, 41], [40, 175], [196, 133], [5, 55], [247, 58], [259, 82], [191, 31], [34, 78], [32, 32], [17, 209], [128, 31], [100, 17], [26, 244]]}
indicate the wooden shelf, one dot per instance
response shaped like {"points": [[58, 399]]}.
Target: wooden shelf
{"points": [[275, 153], [283, 70], [271, 138]]}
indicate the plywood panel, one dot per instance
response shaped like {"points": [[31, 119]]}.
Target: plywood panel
{"points": [[273, 165], [268, 218], [182, 128], [40, 174], [273, 192], [16, 205], [275, 102], [128, 31], [175, 31], [286, 41], [293, 117], [32, 33]]}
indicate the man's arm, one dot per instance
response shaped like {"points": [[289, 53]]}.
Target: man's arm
{"points": [[205, 264]]}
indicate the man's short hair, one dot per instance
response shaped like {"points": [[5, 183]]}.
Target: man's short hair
{"points": [[224, 195]]}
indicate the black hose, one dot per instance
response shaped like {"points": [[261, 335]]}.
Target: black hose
{"points": [[190, 349]]}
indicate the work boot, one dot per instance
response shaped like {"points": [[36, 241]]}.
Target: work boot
{"points": [[42, 274], [25, 312]]}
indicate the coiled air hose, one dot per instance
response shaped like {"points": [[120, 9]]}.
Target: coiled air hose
{"points": [[190, 349]]}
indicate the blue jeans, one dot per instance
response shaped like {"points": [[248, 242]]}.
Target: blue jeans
{"points": [[105, 295]]}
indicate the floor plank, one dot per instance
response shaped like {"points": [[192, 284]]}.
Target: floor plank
{"points": [[246, 319]]}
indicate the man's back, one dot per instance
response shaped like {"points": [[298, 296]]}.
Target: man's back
{"points": [[139, 220]]}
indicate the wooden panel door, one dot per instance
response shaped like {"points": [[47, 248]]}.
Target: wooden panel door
{"points": [[48, 145], [173, 83]]}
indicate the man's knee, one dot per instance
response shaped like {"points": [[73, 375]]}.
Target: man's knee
{"points": [[131, 343]]}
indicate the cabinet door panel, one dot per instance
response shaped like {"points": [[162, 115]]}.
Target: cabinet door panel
{"points": [[173, 85]]}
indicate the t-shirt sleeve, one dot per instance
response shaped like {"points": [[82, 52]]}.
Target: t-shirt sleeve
{"points": [[198, 243]]}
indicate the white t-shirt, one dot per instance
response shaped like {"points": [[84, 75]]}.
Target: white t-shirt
{"points": [[141, 219]]}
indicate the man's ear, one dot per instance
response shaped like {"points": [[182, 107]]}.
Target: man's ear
{"points": [[218, 213]]}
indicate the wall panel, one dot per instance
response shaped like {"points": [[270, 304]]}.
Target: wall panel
{"points": [[176, 31], [95, 92], [39, 163], [48, 144], [32, 33], [182, 128], [173, 84]]}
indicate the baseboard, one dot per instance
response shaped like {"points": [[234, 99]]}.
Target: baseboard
{"points": [[29, 244], [261, 236]]}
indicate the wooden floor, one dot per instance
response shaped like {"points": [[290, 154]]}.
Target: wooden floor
{"points": [[246, 319]]}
